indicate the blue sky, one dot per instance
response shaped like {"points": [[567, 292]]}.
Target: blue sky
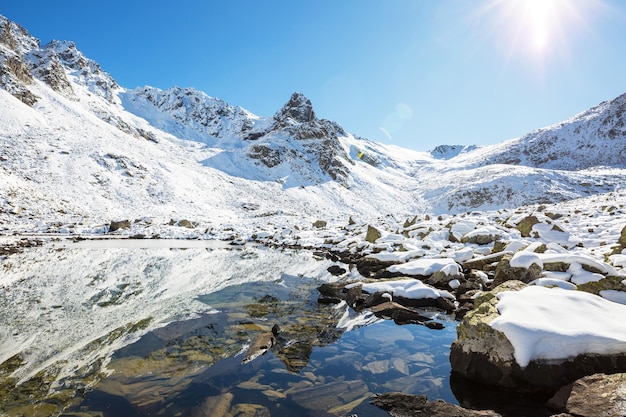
{"points": [[413, 73]]}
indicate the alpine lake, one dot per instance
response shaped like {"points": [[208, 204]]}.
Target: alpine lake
{"points": [[181, 328]]}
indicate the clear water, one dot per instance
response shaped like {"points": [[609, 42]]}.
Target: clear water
{"points": [[86, 332]]}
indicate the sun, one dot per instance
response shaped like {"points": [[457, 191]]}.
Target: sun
{"points": [[542, 21], [536, 28]]}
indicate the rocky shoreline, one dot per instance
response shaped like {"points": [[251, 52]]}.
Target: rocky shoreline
{"points": [[585, 385], [586, 396]]}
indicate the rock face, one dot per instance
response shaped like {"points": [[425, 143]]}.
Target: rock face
{"points": [[297, 110], [292, 141], [318, 138], [22, 59], [15, 74], [189, 113], [485, 355]]}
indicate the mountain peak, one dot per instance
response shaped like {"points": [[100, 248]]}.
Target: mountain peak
{"points": [[298, 108], [16, 38]]}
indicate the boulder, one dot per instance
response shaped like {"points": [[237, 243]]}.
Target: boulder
{"points": [[372, 234], [622, 238], [480, 352], [484, 262], [505, 272], [117, 225], [485, 355], [217, 406], [605, 284], [372, 267], [320, 224], [336, 270], [525, 226], [593, 395], [399, 313], [186, 223]]}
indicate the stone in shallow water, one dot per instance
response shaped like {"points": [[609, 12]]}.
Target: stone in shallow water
{"points": [[328, 396], [398, 404], [214, 406], [249, 410], [377, 367]]}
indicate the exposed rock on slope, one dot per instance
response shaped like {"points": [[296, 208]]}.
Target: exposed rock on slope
{"points": [[596, 137], [190, 114], [14, 73], [318, 138]]}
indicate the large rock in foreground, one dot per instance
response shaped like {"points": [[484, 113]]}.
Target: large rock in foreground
{"points": [[485, 355]]}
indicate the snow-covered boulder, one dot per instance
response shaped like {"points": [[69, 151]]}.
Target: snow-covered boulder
{"points": [[537, 339], [523, 266]]}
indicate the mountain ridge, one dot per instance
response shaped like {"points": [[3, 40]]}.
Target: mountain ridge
{"points": [[167, 154]]}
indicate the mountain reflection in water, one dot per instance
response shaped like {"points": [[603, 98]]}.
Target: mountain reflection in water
{"points": [[225, 301]]}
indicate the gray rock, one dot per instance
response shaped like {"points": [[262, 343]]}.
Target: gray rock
{"points": [[505, 272], [597, 395], [480, 352], [117, 225], [217, 406], [525, 226], [372, 234], [327, 396], [320, 224]]}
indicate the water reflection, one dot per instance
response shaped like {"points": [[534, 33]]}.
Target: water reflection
{"points": [[197, 367], [94, 321]]}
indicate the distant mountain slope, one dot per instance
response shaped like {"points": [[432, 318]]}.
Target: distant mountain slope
{"points": [[77, 150], [596, 137]]}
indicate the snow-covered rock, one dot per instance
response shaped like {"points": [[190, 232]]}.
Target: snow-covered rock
{"points": [[538, 339]]}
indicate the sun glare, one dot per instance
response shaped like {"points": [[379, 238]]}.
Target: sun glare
{"points": [[534, 29]]}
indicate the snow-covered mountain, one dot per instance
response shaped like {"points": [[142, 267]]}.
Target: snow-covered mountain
{"points": [[77, 150]]}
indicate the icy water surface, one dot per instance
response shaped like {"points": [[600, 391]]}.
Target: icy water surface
{"points": [[170, 331]]}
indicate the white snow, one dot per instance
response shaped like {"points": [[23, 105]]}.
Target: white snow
{"points": [[554, 282], [428, 267], [407, 288], [525, 259], [614, 295], [556, 324]]}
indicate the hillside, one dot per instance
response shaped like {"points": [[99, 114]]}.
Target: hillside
{"points": [[77, 151]]}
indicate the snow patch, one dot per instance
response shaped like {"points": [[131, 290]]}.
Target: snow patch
{"points": [[556, 324]]}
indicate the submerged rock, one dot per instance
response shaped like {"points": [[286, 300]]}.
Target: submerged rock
{"points": [[405, 405]]}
